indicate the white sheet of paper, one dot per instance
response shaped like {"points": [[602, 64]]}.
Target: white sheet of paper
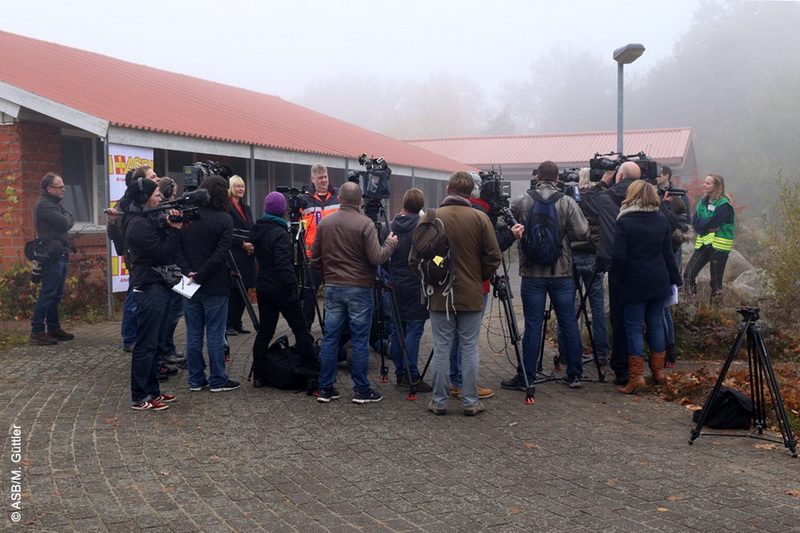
{"points": [[673, 298], [184, 288]]}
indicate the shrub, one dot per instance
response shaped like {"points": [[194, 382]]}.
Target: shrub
{"points": [[783, 248]]}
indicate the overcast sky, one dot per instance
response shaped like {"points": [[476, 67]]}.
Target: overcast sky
{"points": [[278, 47]]}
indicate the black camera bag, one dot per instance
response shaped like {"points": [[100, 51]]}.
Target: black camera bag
{"points": [[284, 367], [730, 409]]}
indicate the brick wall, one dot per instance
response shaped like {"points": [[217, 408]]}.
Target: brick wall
{"points": [[27, 153]]}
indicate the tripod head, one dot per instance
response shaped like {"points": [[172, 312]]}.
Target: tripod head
{"points": [[749, 313]]}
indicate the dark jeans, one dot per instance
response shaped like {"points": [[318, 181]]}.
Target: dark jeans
{"points": [[639, 314], [269, 308], [205, 316], [701, 256], [152, 302], [45, 312], [412, 330], [619, 339], [129, 330], [173, 316]]}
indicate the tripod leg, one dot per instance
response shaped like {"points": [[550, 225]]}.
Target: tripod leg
{"points": [[780, 410], [737, 345]]}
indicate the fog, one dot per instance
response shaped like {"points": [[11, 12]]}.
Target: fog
{"points": [[728, 70]]}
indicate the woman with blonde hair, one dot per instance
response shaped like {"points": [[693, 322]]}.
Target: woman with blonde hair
{"points": [[714, 223], [643, 265], [242, 251]]}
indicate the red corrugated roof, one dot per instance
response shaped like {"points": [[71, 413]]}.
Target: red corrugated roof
{"points": [[526, 150], [136, 96]]}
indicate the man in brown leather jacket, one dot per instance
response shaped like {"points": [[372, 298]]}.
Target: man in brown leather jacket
{"points": [[345, 255]]}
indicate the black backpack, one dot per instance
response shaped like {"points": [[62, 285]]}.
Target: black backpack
{"points": [[434, 261], [731, 409], [541, 241], [284, 367]]}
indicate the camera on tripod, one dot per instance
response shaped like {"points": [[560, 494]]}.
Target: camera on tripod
{"points": [[602, 163], [495, 191], [188, 204], [193, 174], [295, 203], [374, 181], [567, 182]]}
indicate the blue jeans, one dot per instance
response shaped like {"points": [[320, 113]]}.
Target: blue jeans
{"points": [[413, 330], [466, 326], [45, 312], [455, 353], [151, 306], [534, 292], [637, 315], [669, 326], [206, 313], [173, 316], [343, 306], [129, 330]]}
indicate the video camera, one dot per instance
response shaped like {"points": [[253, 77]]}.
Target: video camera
{"points": [[188, 205], [193, 174], [673, 191], [374, 181], [296, 203], [601, 163], [495, 191]]}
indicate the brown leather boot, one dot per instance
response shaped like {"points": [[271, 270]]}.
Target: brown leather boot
{"points": [[657, 367], [636, 381]]}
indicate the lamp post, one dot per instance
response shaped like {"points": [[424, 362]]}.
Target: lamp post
{"points": [[624, 56]]}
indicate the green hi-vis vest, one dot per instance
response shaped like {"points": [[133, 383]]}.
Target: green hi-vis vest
{"points": [[722, 239]]}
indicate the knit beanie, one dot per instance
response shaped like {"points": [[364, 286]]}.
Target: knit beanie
{"points": [[140, 190], [275, 204]]}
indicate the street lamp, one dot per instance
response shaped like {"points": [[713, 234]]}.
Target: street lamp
{"points": [[624, 56]]}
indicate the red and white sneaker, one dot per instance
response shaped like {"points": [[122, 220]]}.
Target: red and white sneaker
{"points": [[150, 405], [166, 398]]}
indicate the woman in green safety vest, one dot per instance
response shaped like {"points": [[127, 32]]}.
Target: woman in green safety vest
{"points": [[714, 222]]}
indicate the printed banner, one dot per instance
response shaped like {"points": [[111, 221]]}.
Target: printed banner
{"points": [[121, 159]]}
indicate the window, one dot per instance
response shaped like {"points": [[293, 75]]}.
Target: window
{"points": [[77, 170]]}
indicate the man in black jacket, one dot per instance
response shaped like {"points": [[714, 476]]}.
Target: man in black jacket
{"points": [[603, 201], [52, 223], [276, 288], [203, 258], [148, 246]]}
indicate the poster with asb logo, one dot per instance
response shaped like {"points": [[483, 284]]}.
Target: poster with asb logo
{"points": [[121, 159]]}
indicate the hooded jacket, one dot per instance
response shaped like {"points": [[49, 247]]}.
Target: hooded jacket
{"points": [[274, 252], [406, 284]]}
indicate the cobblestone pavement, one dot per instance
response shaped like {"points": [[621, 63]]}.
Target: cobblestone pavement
{"points": [[270, 460]]}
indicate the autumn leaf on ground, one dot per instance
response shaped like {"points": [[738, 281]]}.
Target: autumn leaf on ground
{"points": [[768, 446], [515, 509], [531, 445], [793, 492], [675, 498], [662, 509], [693, 407], [512, 424]]}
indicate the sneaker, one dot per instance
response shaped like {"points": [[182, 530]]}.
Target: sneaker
{"points": [[198, 388], [167, 370], [402, 381], [243, 331], [472, 410], [166, 398], [438, 410], [573, 382], [43, 338], [228, 385], [515, 383], [150, 405], [483, 392], [128, 348], [173, 359], [230, 332], [61, 335], [370, 396], [326, 395]]}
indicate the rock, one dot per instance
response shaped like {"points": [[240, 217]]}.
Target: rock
{"points": [[736, 265]]}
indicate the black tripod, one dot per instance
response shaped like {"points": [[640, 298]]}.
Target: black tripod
{"points": [[502, 291], [303, 267], [761, 371], [374, 209]]}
